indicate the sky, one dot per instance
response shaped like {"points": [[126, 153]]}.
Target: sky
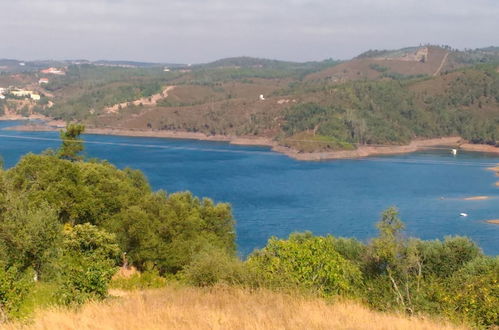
{"points": [[197, 31]]}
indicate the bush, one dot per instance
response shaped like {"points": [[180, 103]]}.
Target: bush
{"points": [[442, 259], [305, 262], [474, 292], [213, 265], [87, 265], [14, 288]]}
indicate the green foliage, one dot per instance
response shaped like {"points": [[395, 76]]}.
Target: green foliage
{"points": [[168, 230], [474, 292], [87, 264], [212, 266], [29, 235], [307, 262], [442, 259], [14, 288], [398, 110], [72, 145], [40, 296], [79, 192]]}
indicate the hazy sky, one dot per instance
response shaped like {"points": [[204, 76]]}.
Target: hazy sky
{"points": [[193, 31]]}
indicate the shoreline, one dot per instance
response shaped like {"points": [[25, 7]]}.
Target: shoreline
{"points": [[360, 152]]}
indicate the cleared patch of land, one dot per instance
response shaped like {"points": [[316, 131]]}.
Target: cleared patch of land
{"points": [[151, 100], [223, 308]]}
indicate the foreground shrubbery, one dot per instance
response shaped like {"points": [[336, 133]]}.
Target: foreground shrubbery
{"points": [[450, 278], [70, 224]]}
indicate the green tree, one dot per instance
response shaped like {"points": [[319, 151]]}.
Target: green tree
{"points": [[72, 144], [396, 258], [28, 235]]}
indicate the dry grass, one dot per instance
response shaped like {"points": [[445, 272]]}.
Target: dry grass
{"points": [[222, 308]]}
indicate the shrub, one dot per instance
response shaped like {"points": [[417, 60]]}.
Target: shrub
{"points": [[474, 292], [87, 264], [211, 266], [310, 263], [14, 288], [444, 258]]}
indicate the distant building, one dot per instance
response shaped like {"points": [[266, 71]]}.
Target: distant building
{"points": [[43, 81], [55, 71], [23, 93], [2, 97], [262, 98], [166, 69]]}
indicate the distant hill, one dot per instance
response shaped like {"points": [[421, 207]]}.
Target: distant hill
{"points": [[379, 97], [133, 64], [248, 62]]}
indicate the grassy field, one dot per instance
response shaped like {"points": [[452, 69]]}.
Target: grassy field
{"points": [[221, 308]]}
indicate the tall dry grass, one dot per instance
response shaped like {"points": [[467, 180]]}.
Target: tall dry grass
{"points": [[222, 308]]}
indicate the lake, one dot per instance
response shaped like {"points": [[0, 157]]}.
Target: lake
{"points": [[273, 195]]}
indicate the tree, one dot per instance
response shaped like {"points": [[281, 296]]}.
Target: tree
{"points": [[397, 258], [29, 235], [72, 144]]}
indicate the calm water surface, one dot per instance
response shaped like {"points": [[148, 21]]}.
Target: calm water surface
{"points": [[273, 195]]}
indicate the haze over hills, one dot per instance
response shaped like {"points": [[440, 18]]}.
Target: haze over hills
{"points": [[379, 97]]}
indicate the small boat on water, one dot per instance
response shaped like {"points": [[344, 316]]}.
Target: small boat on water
{"points": [[463, 214]]}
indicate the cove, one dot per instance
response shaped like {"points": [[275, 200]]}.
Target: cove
{"points": [[273, 195]]}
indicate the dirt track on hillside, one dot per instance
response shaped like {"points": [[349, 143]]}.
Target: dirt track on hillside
{"points": [[152, 100]]}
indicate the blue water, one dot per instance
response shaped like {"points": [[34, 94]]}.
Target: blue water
{"points": [[273, 195]]}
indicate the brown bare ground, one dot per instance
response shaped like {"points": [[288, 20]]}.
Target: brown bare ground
{"points": [[152, 100], [223, 308], [479, 147]]}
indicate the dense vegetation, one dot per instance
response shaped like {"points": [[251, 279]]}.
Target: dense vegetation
{"points": [[69, 224], [396, 111]]}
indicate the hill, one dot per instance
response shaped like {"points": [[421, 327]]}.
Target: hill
{"points": [[223, 308], [387, 97]]}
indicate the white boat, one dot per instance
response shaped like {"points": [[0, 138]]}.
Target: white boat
{"points": [[463, 214]]}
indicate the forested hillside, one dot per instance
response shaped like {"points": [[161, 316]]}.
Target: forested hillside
{"points": [[380, 97]]}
